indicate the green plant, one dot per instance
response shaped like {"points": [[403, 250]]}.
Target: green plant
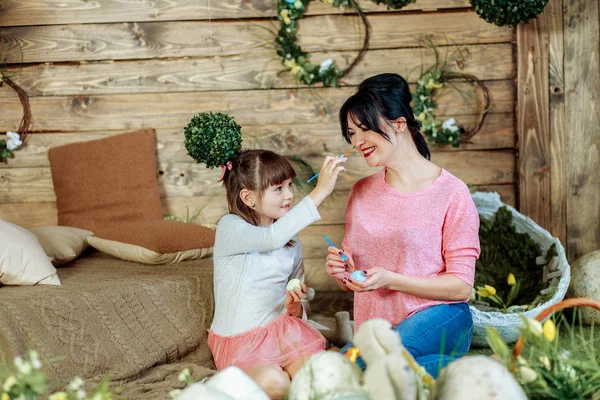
{"points": [[213, 139], [508, 12], [25, 380], [559, 360]]}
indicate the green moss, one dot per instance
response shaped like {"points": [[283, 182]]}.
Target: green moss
{"points": [[505, 251]]}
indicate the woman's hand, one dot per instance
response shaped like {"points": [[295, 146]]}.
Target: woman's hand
{"points": [[292, 300], [336, 267], [377, 278], [331, 168]]}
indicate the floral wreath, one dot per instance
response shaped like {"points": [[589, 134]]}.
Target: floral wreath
{"points": [[15, 139], [297, 61], [437, 77]]}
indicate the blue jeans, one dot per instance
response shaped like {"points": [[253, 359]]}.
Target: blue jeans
{"points": [[434, 336]]}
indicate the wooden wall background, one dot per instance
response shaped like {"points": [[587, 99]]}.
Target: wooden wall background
{"points": [[99, 68]]}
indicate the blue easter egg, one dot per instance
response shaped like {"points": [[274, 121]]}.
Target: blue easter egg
{"points": [[358, 276]]}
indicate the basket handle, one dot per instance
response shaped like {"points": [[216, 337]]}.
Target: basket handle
{"points": [[568, 303]]}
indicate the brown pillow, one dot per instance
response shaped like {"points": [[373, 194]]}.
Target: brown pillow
{"points": [[155, 242], [106, 181]]}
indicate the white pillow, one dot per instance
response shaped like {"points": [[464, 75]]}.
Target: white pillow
{"points": [[22, 258]]}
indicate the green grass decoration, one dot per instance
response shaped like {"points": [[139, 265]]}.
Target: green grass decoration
{"points": [[213, 138], [505, 251]]}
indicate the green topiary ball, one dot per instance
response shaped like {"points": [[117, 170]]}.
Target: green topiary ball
{"points": [[508, 12], [394, 4], [213, 139]]}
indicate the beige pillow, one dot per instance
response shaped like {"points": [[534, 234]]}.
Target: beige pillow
{"points": [[155, 242], [62, 243], [22, 259]]}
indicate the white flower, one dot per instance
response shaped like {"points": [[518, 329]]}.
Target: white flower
{"points": [[9, 383], [174, 393], [325, 65], [534, 326], [14, 140], [527, 375], [184, 375], [450, 124], [18, 362], [37, 364], [75, 384], [80, 394]]}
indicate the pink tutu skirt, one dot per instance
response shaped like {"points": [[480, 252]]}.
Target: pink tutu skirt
{"points": [[280, 342]]}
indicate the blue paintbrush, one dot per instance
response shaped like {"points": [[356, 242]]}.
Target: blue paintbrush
{"points": [[317, 174]]}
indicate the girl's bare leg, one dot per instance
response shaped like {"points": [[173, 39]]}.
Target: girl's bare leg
{"points": [[295, 366], [272, 379]]}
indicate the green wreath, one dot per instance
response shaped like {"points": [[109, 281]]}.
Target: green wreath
{"points": [[297, 61], [508, 12]]}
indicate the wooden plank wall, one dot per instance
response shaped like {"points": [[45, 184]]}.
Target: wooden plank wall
{"points": [[95, 69], [558, 122]]}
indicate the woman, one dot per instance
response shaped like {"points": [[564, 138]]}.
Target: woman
{"points": [[412, 228]]}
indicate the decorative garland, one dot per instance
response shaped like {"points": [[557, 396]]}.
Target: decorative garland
{"points": [[437, 77], [297, 61], [508, 12]]}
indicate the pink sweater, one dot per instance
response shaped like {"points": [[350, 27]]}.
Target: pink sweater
{"points": [[431, 232]]}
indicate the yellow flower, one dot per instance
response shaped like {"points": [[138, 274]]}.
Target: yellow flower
{"points": [[549, 330], [511, 279], [490, 289], [285, 14], [5, 396], [291, 64], [486, 291], [432, 85], [421, 117], [58, 396]]}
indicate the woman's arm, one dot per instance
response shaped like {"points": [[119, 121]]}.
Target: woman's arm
{"points": [[446, 287]]}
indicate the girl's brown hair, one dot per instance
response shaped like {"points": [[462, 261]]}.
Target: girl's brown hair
{"points": [[254, 170]]}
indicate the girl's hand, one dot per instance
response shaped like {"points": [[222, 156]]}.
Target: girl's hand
{"points": [[377, 278], [331, 168], [335, 266], [292, 300]]}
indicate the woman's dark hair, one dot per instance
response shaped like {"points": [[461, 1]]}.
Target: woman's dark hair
{"points": [[383, 96], [254, 170]]}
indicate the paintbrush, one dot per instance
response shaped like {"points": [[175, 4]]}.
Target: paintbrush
{"points": [[342, 254], [317, 174]]}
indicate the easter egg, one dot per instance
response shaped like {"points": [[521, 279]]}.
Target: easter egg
{"points": [[358, 276], [292, 284]]}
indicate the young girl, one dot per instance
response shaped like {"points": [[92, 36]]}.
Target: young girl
{"points": [[412, 228], [256, 253]]}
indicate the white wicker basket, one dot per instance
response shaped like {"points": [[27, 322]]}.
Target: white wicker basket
{"points": [[508, 324]]}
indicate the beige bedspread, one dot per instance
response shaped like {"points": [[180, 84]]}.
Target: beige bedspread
{"points": [[138, 324]]}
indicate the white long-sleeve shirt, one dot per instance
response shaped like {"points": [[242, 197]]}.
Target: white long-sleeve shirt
{"points": [[252, 268]]}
